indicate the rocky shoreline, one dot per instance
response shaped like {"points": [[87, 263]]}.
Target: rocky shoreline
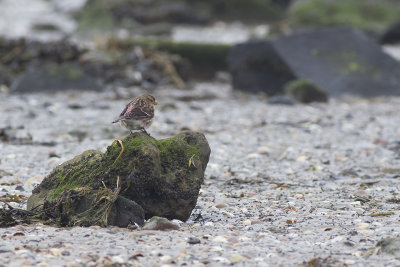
{"points": [[286, 185]]}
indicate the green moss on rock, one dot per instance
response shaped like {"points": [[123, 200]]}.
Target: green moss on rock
{"points": [[205, 58], [305, 91]]}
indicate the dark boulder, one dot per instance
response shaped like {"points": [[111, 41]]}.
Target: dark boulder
{"points": [[54, 77], [337, 60], [391, 35], [257, 67]]}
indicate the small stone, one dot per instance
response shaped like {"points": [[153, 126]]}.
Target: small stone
{"points": [[220, 239], [221, 259], [339, 238], [366, 232], [349, 243], [193, 240], [55, 251], [25, 253], [360, 211], [166, 259], [237, 258], [65, 253], [228, 214], [363, 226], [117, 259], [19, 188], [247, 222], [390, 245], [253, 156], [159, 223], [353, 233], [220, 205], [18, 234]]}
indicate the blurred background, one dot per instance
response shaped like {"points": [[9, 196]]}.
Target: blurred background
{"points": [[49, 45]]}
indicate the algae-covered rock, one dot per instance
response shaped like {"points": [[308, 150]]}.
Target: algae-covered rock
{"points": [[204, 58], [132, 14], [305, 91], [162, 176]]}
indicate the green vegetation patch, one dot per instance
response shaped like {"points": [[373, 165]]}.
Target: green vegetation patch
{"points": [[371, 15], [305, 91]]}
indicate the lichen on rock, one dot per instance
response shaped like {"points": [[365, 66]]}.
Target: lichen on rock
{"points": [[161, 176]]}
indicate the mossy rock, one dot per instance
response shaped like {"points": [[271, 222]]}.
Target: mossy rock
{"points": [[305, 91], [162, 176], [85, 207], [204, 58], [369, 15], [132, 14]]}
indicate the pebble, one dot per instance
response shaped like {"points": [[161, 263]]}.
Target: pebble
{"points": [[236, 259], [159, 223], [193, 240], [221, 260], [363, 226], [247, 222], [360, 211], [117, 259], [65, 253], [220, 239], [229, 214], [221, 205], [25, 252], [166, 259], [55, 251], [19, 188], [339, 238]]}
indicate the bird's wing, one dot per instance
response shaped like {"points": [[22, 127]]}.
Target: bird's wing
{"points": [[132, 112], [123, 112], [121, 116]]}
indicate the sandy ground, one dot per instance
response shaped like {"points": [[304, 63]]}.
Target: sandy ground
{"points": [[285, 185]]}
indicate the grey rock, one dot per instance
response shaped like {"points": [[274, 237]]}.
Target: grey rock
{"points": [[193, 240], [159, 223], [338, 60], [391, 35], [390, 245], [19, 188], [54, 77]]}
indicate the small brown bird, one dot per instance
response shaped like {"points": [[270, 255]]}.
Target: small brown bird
{"points": [[138, 114]]}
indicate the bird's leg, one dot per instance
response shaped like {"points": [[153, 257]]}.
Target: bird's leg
{"points": [[144, 131]]}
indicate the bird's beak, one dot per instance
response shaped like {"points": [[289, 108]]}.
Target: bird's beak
{"points": [[155, 103]]}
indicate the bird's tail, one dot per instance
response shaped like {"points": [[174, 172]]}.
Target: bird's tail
{"points": [[117, 120]]}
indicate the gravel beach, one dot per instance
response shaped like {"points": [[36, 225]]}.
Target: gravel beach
{"points": [[286, 185]]}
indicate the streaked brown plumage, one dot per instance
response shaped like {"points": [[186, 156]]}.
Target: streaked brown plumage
{"points": [[138, 114]]}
